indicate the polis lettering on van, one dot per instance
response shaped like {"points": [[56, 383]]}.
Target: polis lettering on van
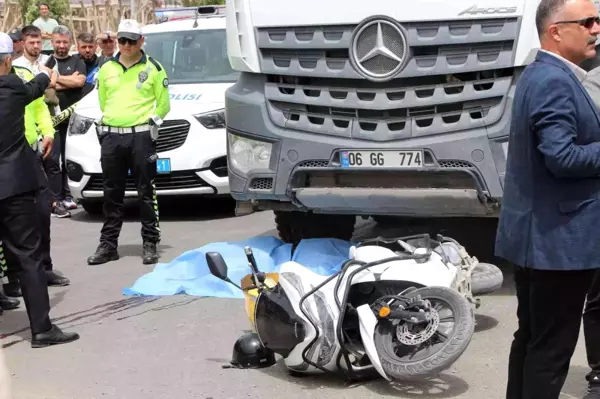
{"points": [[185, 96]]}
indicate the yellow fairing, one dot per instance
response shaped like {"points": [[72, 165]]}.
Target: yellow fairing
{"points": [[250, 295]]}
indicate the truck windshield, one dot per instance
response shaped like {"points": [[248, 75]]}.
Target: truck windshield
{"points": [[195, 56]]}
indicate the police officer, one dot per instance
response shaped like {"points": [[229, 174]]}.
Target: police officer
{"points": [[134, 99], [19, 182]]}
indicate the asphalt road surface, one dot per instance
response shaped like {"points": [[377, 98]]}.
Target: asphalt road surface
{"points": [[174, 347]]}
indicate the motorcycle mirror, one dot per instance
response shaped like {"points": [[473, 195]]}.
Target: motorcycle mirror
{"points": [[218, 267]]}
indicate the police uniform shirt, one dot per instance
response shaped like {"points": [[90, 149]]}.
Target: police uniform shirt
{"points": [[68, 66], [131, 96]]}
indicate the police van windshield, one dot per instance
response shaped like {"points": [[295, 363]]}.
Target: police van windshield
{"points": [[196, 56]]}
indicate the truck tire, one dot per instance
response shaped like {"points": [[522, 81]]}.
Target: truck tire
{"points": [[93, 207], [294, 226], [405, 368], [486, 278]]}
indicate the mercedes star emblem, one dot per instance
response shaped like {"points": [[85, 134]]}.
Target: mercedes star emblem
{"points": [[378, 49]]}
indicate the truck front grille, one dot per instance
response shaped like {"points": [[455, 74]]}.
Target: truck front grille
{"points": [[443, 47], [456, 76]]}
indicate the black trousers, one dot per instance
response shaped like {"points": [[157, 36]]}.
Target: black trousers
{"points": [[43, 209], [591, 327], [19, 231], [120, 153], [55, 165], [550, 304]]}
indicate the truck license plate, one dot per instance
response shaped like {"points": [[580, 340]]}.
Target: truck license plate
{"points": [[382, 159]]}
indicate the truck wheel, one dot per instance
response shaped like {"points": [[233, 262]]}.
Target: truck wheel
{"points": [[486, 278], [294, 226], [92, 207]]}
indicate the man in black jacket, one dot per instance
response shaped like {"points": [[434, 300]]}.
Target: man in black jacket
{"points": [[19, 182]]}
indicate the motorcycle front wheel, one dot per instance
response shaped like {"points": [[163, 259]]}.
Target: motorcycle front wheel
{"points": [[412, 352]]}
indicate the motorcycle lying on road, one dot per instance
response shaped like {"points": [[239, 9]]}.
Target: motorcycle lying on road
{"points": [[402, 307]]}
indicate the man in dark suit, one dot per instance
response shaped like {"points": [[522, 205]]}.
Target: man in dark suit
{"points": [[591, 314], [19, 182], [552, 199]]}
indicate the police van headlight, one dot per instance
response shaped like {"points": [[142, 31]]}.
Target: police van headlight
{"points": [[79, 124], [247, 154], [212, 119]]}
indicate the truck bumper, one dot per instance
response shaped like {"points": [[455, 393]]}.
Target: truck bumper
{"points": [[426, 202], [463, 175]]}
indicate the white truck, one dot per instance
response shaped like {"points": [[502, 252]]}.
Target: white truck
{"points": [[387, 108], [191, 46]]}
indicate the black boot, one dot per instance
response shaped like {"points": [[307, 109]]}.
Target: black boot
{"points": [[13, 289], [593, 391], [7, 303], [150, 255], [54, 336], [55, 278], [103, 254]]}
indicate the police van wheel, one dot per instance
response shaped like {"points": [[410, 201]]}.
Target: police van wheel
{"points": [[93, 207], [294, 226]]}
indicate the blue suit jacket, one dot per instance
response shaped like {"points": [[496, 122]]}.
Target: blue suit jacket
{"points": [[550, 216]]}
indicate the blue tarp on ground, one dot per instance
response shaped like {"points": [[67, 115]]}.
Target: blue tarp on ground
{"points": [[189, 274]]}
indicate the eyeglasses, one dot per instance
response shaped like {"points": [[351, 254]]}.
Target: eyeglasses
{"points": [[123, 41], [588, 23]]}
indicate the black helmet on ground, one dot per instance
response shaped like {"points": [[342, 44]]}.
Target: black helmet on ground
{"points": [[249, 353]]}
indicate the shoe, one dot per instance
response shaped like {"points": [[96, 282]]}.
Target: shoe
{"points": [[12, 290], [54, 336], [150, 255], [7, 303], [593, 390], [55, 278], [59, 211], [103, 254], [69, 203]]}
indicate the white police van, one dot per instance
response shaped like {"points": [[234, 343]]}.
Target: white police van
{"points": [[192, 146]]}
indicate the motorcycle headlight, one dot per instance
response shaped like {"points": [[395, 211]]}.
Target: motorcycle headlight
{"points": [[79, 124], [212, 120], [247, 154]]}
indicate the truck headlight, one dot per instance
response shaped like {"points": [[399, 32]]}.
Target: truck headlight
{"points": [[79, 124], [213, 119], [247, 154]]}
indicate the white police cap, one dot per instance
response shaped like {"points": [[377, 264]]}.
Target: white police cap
{"points": [[6, 44], [129, 29]]}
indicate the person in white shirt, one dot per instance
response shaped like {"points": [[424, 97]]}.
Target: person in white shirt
{"points": [[46, 25], [32, 58]]}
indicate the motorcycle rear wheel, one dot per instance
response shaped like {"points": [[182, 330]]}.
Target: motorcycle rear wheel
{"points": [[395, 360], [486, 278]]}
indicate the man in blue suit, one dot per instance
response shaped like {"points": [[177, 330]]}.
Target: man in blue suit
{"points": [[591, 314], [551, 207]]}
